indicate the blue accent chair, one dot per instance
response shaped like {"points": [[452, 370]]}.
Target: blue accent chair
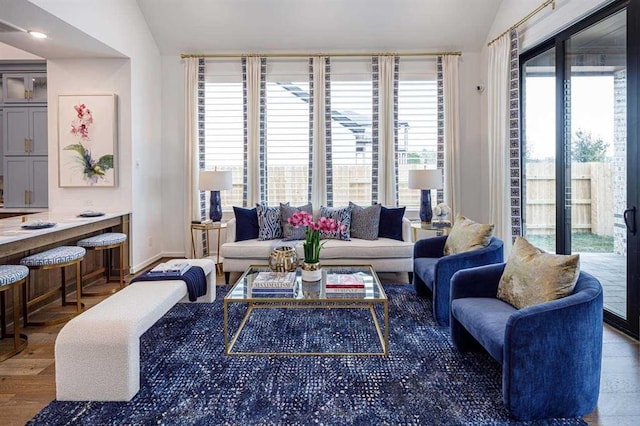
{"points": [[551, 353], [432, 270]]}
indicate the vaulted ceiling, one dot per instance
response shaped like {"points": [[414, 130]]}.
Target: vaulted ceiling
{"points": [[263, 26], [224, 26]]}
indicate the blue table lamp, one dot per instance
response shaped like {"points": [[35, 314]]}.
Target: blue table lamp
{"points": [[215, 181], [425, 180]]}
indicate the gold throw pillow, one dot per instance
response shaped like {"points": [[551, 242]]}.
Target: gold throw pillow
{"points": [[534, 276], [467, 235]]}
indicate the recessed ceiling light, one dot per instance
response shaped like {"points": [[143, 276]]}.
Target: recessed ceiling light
{"points": [[36, 34]]}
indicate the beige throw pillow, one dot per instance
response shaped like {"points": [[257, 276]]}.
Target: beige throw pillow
{"points": [[467, 235], [534, 276]]}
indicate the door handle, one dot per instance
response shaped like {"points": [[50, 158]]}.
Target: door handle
{"points": [[630, 219]]}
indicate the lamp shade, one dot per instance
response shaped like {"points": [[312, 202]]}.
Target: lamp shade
{"points": [[215, 180], [425, 179]]}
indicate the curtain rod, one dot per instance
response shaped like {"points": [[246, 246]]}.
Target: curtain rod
{"points": [[306, 55], [525, 19]]}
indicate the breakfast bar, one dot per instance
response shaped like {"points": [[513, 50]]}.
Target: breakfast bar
{"points": [[30, 234]]}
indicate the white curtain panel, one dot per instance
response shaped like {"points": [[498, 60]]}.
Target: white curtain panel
{"points": [[319, 171], [386, 174], [253, 130], [498, 129], [191, 147], [451, 132]]}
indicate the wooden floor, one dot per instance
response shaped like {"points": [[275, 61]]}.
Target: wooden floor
{"points": [[27, 381]]}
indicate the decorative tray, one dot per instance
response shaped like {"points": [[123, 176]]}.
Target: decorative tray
{"points": [[90, 214], [37, 225]]}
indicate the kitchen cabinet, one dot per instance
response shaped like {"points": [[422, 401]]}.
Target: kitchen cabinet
{"points": [[25, 131], [25, 182], [24, 88]]}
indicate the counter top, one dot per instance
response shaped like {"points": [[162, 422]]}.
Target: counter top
{"points": [[11, 231]]}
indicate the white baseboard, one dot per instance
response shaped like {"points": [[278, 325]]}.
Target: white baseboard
{"points": [[145, 263]]}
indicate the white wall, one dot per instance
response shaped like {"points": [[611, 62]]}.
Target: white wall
{"points": [[91, 76], [174, 177], [12, 53], [120, 25], [174, 160], [471, 202]]}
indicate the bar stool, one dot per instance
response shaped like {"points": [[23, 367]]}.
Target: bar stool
{"points": [[106, 241], [12, 277], [58, 257]]}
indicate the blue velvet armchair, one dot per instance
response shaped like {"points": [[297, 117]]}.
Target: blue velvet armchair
{"points": [[551, 353], [432, 270]]}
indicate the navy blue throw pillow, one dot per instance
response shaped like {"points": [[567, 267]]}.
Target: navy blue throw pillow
{"points": [[391, 223], [246, 223]]}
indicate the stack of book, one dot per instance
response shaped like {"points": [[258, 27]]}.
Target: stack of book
{"points": [[169, 269], [344, 285], [280, 284]]}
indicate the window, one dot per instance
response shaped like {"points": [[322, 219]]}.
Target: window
{"points": [[351, 136], [224, 134], [287, 140], [417, 123], [539, 148], [287, 144]]}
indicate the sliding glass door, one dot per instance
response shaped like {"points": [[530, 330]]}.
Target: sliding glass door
{"points": [[596, 117], [539, 149], [580, 183]]}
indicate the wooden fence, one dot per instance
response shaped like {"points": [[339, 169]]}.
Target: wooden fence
{"points": [[351, 183], [591, 195], [591, 192]]}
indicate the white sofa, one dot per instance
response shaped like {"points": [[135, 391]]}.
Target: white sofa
{"points": [[385, 254]]}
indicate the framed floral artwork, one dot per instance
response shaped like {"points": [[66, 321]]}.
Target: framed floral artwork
{"points": [[87, 129]]}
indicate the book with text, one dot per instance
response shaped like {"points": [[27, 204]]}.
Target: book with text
{"points": [[274, 280], [170, 269], [345, 281], [358, 293]]}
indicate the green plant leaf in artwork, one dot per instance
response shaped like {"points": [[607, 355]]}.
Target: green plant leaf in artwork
{"points": [[105, 162], [77, 147], [91, 169]]}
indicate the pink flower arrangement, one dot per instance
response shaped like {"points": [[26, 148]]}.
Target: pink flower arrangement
{"points": [[312, 244], [84, 118]]}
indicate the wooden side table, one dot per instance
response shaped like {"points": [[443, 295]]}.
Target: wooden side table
{"points": [[428, 226], [205, 227]]}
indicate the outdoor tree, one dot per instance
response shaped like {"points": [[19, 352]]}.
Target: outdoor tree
{"points": [[414, 158], [587, 148]]}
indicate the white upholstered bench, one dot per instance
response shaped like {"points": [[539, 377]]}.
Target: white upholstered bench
{"points": [[97, 353]]}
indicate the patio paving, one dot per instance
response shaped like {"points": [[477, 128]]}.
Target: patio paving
{"points": [[611, 270]]}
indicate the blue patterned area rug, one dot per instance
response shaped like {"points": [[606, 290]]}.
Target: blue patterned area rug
{"points": [[186, 379]]}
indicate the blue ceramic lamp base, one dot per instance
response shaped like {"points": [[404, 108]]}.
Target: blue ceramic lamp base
{"points": [[215, 207], [426, 214]]}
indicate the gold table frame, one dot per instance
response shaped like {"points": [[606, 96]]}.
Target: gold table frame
{"points": [[205, 227], [304, 302]]}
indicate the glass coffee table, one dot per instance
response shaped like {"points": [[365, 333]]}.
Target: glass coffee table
{"points": [[309, 295]]}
